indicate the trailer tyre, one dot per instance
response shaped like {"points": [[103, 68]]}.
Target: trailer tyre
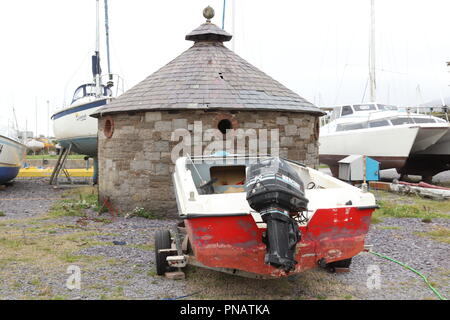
{"points": [[339, 264], [162, 241]]}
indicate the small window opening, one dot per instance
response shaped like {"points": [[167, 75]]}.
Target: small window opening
{"points": [[224, 125], [108, 128]]}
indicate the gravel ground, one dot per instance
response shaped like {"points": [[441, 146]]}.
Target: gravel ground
{"points": [[33, 198], [396, 239], [127, 271]]}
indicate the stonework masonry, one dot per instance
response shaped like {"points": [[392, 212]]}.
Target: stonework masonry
{"points": [[135, 164]]}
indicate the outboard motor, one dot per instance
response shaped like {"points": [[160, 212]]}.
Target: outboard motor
{"points": [[276, 191]]}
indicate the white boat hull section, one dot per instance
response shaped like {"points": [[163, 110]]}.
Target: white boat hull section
{"points": [[75, 126], [12, 155], [329, 192], [428, 135], [374, 142], [441, 147]]}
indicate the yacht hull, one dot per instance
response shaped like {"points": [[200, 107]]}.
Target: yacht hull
{"points": [[441, 147], [12, 154], [391, 153], [74, 126], [427, 137]]}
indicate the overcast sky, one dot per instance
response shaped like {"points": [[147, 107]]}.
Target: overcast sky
{"points": [[317, 48]]}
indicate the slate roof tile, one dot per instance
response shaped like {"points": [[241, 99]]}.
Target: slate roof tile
{"points": [[209, 76]]}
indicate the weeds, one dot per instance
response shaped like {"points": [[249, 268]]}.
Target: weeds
{"points": [[394, 210], [141, 212], [440, 234], [78, 201]]}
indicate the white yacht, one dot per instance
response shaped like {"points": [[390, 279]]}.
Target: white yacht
{"points": [[412, 143], [12, 154], [73, 125]]}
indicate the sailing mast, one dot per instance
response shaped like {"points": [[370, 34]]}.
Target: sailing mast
{"points": [[372, 79], [110, 76], [96, 70]]}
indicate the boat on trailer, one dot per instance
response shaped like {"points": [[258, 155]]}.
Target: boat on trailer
{"points": [[262, 217]]}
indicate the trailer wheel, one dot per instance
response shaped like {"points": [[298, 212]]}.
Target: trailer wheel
{"points": [[162, 241], [339, 264]]}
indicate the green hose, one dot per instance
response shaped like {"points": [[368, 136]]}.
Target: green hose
{"points": [[413, 270]]}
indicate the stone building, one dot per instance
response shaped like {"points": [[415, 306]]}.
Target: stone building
{"points": [[206, 87]]}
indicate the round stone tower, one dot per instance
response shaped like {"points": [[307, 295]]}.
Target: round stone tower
{"points": [[207, 94]]}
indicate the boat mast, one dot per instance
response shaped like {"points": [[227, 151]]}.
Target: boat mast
{"points": [[96, 58], [223, 13], [372, 79], [110, 76]]}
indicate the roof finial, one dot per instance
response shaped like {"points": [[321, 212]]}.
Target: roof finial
{"points": [[208, 13]]}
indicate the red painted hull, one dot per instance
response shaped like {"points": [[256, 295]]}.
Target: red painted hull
{"points": [[235, 242]]}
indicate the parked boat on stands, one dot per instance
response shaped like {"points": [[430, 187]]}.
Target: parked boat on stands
{"points": [[397, 139], [35, 145], [73, 125], [262, 217], [12, 154]]}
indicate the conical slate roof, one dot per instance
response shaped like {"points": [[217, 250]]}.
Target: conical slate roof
{"points": [[209, 76]]}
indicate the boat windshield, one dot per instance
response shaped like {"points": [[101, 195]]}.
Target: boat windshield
{"points": [[89, 89], [401, 120], [386, 107], [346, 110], [378, 123], [364, 107], [424, 120], [350, 126]]}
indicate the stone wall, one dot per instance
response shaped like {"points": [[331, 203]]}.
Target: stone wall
{"points": [[135, 163]]}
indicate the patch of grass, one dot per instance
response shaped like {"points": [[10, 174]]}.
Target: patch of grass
{"points": [[141, 212], [376, 218], [394, 210], [440, 234], [78, 200], [2, 214], [146, 247], [389, 228], [152, 272]]}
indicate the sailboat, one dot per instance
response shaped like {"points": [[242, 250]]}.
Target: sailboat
{"points": [[412, 143], [12, 154], [73, 126]]}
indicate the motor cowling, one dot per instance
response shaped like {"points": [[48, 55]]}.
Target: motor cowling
{"points": [[276, 191]]}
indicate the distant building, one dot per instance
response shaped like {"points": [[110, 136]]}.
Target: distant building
{"points": [[25, 134]]}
